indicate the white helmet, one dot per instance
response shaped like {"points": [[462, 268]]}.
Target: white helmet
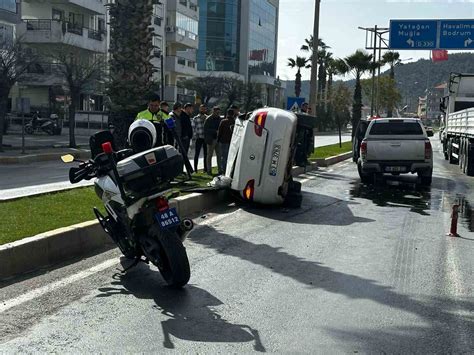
{"points": [[142, 135]]}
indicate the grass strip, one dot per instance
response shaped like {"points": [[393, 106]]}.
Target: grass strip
{"points": [[28, 216], [331, 150]]}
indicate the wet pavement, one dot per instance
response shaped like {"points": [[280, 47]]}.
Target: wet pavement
{"points": [[358, 269]]}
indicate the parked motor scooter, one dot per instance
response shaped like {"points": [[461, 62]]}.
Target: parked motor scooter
{"points": [[37, 124]]}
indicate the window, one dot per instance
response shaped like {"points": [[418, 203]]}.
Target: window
{"points": [[396, 128], [6, 34], [158, 42], [186, 23], [8, 5], [58, 15]]}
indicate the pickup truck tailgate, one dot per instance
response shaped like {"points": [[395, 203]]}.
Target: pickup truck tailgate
{"points": [[395, 149]]}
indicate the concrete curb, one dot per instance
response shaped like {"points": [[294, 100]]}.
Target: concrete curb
{"points": [[54, 247], [46, 249], [333, 160], [33, 158]]}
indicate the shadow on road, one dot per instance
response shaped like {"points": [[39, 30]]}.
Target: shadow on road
{"points": [[325, 210], [190, 310], [315, 275]]}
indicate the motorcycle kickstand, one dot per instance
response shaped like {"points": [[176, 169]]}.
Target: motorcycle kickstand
{"points": [[135, 263]]}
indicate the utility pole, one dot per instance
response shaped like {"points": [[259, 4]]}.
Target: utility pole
{"points": [[313, 85]]}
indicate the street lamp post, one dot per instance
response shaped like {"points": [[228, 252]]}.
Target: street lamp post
{"points": [[313, 91]]}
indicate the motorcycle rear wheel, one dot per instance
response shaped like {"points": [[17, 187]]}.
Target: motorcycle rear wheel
{"points": [[166, 251]]}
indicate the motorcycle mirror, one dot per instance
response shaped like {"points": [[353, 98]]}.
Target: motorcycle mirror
{"points": [[68, 158]]}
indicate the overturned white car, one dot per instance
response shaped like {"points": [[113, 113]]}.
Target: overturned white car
{"points": [[261, 157]]}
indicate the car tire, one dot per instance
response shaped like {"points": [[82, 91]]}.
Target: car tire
{"points": [[364, 178], [293, 200], [426, 178], [294, 187]]}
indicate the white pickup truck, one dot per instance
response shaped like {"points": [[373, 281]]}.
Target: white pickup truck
{"points": [[396, 146]]}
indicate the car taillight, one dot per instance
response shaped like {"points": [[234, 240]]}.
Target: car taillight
{"points": [[162, 204], [428, 150], [107, 148], [363, 149], [249, 190], [259, 123]]}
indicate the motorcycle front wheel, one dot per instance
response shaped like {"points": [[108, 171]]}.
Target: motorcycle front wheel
{"points": [[29, 130], [166, 251]]}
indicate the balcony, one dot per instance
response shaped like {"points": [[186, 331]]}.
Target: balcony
{"points": [[186, 7], [175, 93], [43, 74], [181, 65], [61, 32], [181, 37], [96, 7]]}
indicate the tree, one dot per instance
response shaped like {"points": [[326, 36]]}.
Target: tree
{"points": [[315, 52], [393, 60], [358, 63], [207, 87], [81, 72], [131, 71], [389, 95], [14, 62], [232, 91], [340, 102], [252, 96], [300, 62]]}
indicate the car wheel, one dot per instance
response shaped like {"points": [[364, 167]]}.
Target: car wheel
{"points": [[294, 186], [364, 178], [426, 178], [293, 200]]}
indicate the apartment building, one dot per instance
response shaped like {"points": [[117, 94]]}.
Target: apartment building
{"points": [[48, 26], [239, 39], [181, 41]]}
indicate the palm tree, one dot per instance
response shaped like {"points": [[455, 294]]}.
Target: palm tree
{"points": [[300, 62], [323, 61], [393, 60], [358, 63], [131, 49], [308, 47]]}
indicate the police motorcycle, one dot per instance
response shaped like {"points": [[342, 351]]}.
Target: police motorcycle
{"points": [[133, 185]]}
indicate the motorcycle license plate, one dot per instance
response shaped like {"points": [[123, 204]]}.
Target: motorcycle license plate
{"points": [[395, 169], [168, 218]]}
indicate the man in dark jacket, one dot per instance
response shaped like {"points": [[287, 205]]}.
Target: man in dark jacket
{"points": [[224, 136], [211, 126], [175, 115], [186, 128]]}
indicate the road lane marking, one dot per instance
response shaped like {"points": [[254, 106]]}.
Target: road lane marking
{"points": [[38, 292]]}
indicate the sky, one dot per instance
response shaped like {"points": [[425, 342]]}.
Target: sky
{"points": [[340, 19]]}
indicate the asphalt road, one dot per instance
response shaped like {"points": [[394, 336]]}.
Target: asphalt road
{"points": [[19, 180], [356, 269]]}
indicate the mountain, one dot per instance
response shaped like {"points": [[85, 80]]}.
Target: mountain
{"points": [[413, 78]]}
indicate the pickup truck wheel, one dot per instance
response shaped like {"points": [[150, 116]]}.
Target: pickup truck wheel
{"points": [[426, 178], [364, 178]]}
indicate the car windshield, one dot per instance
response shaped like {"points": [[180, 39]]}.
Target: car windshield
{"points": [[396, 128]]}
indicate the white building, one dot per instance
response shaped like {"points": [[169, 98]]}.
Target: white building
{"points": [[48, 26], [182, 41]]}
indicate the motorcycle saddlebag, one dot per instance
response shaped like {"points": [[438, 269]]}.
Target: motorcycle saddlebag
{"points": [[146, 171]]}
